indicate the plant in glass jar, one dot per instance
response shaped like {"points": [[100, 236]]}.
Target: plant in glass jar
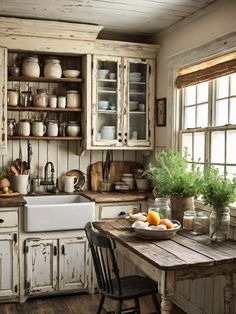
{"points": [[218, 192], [172, 177]]}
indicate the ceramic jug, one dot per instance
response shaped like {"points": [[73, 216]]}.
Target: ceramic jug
{"points": [[70, 183]]}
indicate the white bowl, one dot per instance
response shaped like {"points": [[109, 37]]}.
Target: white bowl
{"points": [[135, 74], [71, 73], [103, 104], [108, 132], [133, 105], [102, 74], [135, 78]]}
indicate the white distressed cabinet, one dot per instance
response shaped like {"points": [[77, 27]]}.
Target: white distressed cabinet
{"points": [[3, 101], [122, 103], [54, 265]]}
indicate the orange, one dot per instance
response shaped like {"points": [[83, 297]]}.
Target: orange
{"points": [[153, 218], [167, 223]]}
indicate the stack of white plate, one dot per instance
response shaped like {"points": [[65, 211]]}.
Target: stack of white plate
{"points": [[108, 132], [135, 76]]}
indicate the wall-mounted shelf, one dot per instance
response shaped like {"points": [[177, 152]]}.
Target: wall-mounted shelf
{"points": [[50, 138], [44, 79], [27, 108]]}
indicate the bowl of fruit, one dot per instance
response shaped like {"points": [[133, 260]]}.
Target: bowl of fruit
{"points": [[155, 228]]}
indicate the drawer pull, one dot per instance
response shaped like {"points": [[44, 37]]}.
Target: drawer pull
{"points": [[122, 213], [1, 220]]}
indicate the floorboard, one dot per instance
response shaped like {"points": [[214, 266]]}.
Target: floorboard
{"points": [[71, 304]]}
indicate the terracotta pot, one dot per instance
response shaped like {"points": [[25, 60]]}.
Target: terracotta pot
{"points": [[179, 205]]}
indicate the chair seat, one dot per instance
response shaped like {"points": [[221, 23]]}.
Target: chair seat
{"points": [[134, 287]]}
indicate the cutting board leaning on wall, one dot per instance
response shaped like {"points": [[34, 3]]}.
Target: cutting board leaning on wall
{"points": [[117, 168]]}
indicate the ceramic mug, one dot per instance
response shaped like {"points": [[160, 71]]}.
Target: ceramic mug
{"points": [[70, 183], [38, 128], [21, 183]]}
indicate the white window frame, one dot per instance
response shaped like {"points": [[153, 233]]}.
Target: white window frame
{"points": [[196, 55]]}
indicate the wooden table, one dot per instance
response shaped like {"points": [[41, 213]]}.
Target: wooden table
{"points": [[185, 256]]}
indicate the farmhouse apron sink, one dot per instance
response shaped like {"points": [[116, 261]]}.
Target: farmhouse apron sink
{"points": [[57, 212]]}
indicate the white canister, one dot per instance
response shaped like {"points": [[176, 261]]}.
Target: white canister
{"points": [[73, 128], [24, 127], [38, 128], [70, 183], [53, 101], [31, 67], [52, 128], [21, 183], [12, 97], [72, 99], [52, 68], [61, 102], [41, 98]]}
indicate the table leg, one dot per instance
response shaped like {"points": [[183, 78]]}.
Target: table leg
{"points": [[228, 294], [166, 305]]}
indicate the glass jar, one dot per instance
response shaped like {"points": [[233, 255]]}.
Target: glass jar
{"points": [[188, 219], [41, 98], [161, 205], [12, 97], [52, 68], [73, 128], [72, 99], [219, 224], [52, 128], [201, 223], [31, 67], [11, 125], [26, 98], [62, 129]]}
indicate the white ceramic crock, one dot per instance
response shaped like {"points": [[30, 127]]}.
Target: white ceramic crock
{"points": [[31, 67], [52, 68]]}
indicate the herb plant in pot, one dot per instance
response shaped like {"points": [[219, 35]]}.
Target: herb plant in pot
{"points": [[219, 193], [172, 177]]}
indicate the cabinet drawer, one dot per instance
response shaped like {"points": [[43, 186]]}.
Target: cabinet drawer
{"points": [[116, 211], [8, 219]]}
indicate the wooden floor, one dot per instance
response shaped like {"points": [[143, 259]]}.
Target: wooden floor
{"points": [[70, 304]]}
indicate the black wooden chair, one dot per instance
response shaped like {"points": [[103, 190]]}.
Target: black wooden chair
{"points": [[110, 284]]}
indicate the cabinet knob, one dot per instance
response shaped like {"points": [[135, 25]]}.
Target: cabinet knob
{"points": [[119, 134], [122, 213], [1, 220], [120, 140], [126, 134], [125, 140]]}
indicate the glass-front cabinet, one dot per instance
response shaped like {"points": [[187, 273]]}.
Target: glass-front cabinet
{"points": [[122, 102]]}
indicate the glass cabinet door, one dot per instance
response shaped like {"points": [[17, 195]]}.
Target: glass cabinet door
{"points": [[106, 128], [138, 102]]}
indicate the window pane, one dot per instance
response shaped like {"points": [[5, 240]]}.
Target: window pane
{"points": [[221, 112], [231, 172], [189, 121], [221, 169], [232, 118], [187, 142], [199, 144], [190, 95], [233, 84], [202, 92], [222, 87], [218, 147], [230, 149], [202, 115]]}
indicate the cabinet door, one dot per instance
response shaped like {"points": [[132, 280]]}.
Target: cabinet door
{"points": [[107, 99], [8, 265], [3, 101], [41, 266], [73, 265], [139, 102]]}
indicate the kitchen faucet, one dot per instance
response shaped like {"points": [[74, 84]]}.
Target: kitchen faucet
{"points": [[49, 181]]}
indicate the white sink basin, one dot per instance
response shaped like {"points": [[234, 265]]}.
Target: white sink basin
{"points": [[57, 212]]}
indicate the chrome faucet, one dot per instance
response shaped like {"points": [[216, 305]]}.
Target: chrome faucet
{"points": [[49, 181]]}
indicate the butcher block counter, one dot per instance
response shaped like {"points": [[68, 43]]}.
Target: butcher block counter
{"points": [[11, 201], [106, 197]]}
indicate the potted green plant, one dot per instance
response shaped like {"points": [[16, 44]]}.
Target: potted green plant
{"points": [[4, 182], [172, 177], [218, 192]]}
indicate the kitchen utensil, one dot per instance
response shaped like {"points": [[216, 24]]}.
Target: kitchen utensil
{"points": [[18, 165], [24, 167], [21, 183], [30, 153], [70, 183], [14, 170], [80, 175], [106, 167]]}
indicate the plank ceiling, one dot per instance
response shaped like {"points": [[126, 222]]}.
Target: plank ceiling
{"points": [[128, 17]]}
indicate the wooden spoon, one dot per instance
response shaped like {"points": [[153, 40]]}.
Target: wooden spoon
{"points": [[24, 166], [14, 170], [18, 163]]}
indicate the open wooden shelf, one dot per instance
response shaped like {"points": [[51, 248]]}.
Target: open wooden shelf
{"points": [[44, 79], [27, 108], [50, 138]]}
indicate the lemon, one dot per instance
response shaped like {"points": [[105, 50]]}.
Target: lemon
{"points": [[153, 218]]}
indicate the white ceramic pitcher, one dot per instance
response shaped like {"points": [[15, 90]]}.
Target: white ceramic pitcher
{"points": [[70, 183], [21, 183]]}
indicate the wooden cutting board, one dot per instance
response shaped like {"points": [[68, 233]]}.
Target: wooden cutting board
{"points": [[117, 168]]}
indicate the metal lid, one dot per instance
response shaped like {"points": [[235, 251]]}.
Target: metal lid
{"points": [[72, 92], [41, 91]]}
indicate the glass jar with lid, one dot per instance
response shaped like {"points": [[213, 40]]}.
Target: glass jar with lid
{"points": [[72, 99], [52, 128], [201, 223], [11, 125], [219, 224], [31, 67], [161, 205], [188, 219]]}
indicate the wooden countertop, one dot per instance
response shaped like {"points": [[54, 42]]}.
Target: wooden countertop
{"points": [[12, 201], [105, 197]]}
